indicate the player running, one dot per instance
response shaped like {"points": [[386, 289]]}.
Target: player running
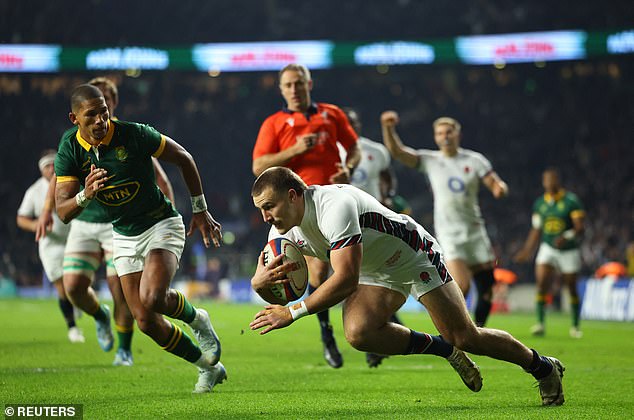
{"points": [[112, 161]]}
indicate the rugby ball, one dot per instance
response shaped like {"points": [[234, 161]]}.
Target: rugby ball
{"points": [[298, 277]]}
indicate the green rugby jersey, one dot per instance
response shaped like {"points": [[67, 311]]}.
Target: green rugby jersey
{"points": [[554, 214], [131, 199], [93, 213]]}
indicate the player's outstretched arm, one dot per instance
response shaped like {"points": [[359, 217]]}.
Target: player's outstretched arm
{"points": [[391, 139], [346, 266], [202, 220]]}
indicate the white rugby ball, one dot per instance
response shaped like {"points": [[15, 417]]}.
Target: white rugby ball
{"points": [[298, 277]]}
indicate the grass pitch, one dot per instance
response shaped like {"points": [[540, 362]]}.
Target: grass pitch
{"points": [[283, 375]]}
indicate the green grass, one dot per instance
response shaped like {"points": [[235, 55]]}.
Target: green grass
{"points": [[282, 374]]}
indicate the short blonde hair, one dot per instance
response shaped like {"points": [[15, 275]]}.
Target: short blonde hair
{"points": [[448, 121], [299, 68]]}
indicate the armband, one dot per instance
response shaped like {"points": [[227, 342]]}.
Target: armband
{"points": [[81, 199], [569, 234], [298, 310], [198, 203]]}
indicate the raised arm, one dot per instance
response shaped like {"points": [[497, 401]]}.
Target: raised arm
{"points": [[495, 184], [201, 218], [391, 139]]}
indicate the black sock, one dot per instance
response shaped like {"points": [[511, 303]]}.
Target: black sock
{"points": [[484, 281], [67, 311], [422, 343], [395, 319], [324, 319], [540, 366]]}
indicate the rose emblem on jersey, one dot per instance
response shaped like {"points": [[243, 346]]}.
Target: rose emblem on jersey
{"points": [[424, 276], [121, 153]]}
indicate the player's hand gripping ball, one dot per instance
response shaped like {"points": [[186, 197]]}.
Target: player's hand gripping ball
{"points": [[298, 277]]}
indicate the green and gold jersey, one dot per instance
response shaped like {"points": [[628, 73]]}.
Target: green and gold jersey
{"points": [[553, 215], [131, 199], [93, 213]]}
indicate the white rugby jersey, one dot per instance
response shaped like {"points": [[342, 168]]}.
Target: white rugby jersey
{"points": [[339, 215], [375, 158], [32, 205], [455, 183]]}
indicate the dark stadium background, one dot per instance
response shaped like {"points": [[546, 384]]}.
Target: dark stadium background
{"points": [[576, 115]]}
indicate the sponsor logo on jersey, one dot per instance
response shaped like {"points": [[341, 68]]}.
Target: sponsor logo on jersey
{"points": [[291, 122], [121, 153], [117, 195], [301, 243], [456, 184]]}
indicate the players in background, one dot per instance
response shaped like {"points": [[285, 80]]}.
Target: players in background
{"points": [[379, 258], [51, 248], [558, 219], [303, 136], [455, 175], [112, 161], [90, 243], [374, 176]]}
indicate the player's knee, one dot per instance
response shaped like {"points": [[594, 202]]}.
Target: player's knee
{"points": [[357, 335], [146, 323], [153, 300]]}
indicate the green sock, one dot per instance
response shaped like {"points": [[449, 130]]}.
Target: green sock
{"points": [[181, 345], [125, 338], [541, 305], [576, 309], [184, 311]]}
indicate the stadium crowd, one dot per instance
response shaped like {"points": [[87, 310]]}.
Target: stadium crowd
{"points": [[575, 116]]}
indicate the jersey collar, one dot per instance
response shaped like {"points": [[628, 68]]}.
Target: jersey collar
{"points": [[551, 198], [106, 140], [312, 109]]}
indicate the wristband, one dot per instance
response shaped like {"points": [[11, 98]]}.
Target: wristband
{"points": [[298, 310], [81, 199], [569, 234], [198, 203]]}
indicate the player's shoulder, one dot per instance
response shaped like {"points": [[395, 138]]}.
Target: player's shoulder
{"points": [[68, 136], [131, 126], [570, 196], [331, 109], [278, 117], [469, 153]]}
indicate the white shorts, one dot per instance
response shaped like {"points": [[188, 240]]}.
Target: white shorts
{"points": [[89, 237], [130, 251], [52, 256], [415, 276], [473, 248], [565, 261]]}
